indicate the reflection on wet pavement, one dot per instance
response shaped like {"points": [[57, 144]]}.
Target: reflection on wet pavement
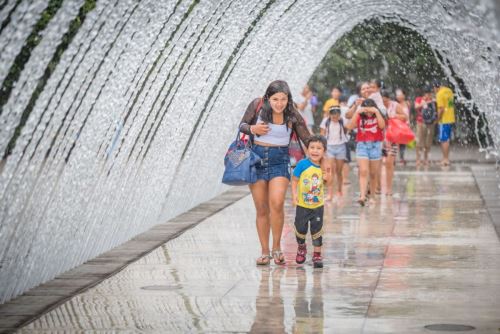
{"points": [[428, 255]]}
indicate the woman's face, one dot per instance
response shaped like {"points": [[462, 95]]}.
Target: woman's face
{"points": [[400, 96], [335, 94], [365, 90], [386, 100], [278, 102]]}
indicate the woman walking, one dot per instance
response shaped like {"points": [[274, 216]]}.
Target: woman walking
{"points": [[271, 127], [369, 122], [394, 110], [405, 106]]}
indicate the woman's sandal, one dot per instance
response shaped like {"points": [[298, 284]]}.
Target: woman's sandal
{"points": [[263, 260], [278, 257], [362, 201]]}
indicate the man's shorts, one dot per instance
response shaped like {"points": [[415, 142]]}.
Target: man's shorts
{"points": [[445, 132], [371, 150], [336, 152]]}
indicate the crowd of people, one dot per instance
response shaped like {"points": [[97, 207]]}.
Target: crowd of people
{"points": [[355, 123]]}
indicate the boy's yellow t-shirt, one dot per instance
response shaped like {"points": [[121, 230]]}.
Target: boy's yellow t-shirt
{"points": [[330, 103], [444, 99], [310, 185]]}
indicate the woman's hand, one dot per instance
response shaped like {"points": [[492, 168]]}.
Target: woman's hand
{"points": [[259, 129]]}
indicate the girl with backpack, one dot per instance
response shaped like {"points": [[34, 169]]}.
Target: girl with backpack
{"points": [[426, 116], [332, 128], [369, 121]]}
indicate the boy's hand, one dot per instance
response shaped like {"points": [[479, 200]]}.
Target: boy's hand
{"points": [[295, 199], [326, 174], [326, 177]]}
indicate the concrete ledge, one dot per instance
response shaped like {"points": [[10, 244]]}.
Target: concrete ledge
{"points": [[32, 304], [488, 181]]}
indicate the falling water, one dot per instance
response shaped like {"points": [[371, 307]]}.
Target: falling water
{"points": [[124, 108]]}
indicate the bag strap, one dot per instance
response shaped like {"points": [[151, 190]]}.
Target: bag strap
{"points": [[298, 140]]}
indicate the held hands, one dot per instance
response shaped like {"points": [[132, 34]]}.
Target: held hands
{"points": [[259, 129], [295, 200]]}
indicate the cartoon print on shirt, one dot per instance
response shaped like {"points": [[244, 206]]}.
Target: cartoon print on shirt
{"points": [[313, 189]]}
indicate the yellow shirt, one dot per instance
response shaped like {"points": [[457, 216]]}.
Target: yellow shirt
{"points": [[310, 185], [330, 103], [444, 99]]}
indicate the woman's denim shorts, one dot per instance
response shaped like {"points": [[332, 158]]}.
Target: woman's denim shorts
{"points": [[275, 162]]}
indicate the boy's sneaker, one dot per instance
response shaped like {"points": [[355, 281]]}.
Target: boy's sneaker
{"points": [[317, 260], [301, 254]]}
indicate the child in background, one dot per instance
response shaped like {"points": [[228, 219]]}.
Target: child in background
{"points": [[332, 128], [307, 194]]}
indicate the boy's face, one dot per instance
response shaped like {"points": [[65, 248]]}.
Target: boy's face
{"points": [[315, 151], [335, 116]]}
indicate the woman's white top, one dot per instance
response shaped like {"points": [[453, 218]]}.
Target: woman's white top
{"points": [[335, 135], [278, 134]]}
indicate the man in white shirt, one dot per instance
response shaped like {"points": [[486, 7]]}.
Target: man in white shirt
{"points": [[304, 106]]}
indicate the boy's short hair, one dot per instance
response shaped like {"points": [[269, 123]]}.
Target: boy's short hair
{"points": [[317, 139]]}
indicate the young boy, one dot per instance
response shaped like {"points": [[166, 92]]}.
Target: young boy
{"points": [[307, 194]]}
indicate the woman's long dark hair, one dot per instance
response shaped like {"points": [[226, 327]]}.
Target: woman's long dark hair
{"points": [[266, 112]]}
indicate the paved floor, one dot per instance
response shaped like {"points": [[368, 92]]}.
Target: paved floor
{"points": [[428, 255]]}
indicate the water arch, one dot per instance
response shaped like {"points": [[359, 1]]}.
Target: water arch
{"points": [[115, 114]]}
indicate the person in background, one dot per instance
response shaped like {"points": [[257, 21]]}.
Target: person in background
{"points": [[332, 128], [352, 98], [367, 90], [426, 118], [405, 105], [350, 145], [364, 92], [446, 118], [369, 121], [375, 87], [303, 101], [333, 101], [394, 110], [317, 114]]}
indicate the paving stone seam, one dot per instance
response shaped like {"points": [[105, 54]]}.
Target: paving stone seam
{"points": [[219, 203], [382, 266], [490, 200]]}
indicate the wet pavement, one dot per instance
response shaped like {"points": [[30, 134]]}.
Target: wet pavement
{"points": [[428, 255]]}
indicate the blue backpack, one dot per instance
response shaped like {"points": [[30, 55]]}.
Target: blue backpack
{"points": [[429, 113]]}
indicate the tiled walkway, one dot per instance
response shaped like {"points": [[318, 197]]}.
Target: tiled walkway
{"points": [[428, 255]]}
